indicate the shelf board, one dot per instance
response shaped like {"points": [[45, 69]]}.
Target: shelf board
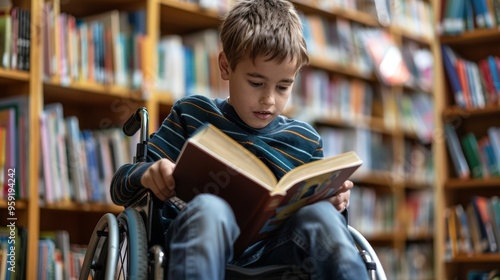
{"points": [[20, 204], [13, 76], [353, 15], [476, 258], [415, 184], [476, 37], [92, 7], [374, 178], [420, 236], [83, 207], [174, 14], [335, 68], [373, 124], [472, 183], [421, 39], [456, 111], [94, 92]]}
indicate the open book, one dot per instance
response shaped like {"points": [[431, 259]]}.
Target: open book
{"points": [[212, 162]]}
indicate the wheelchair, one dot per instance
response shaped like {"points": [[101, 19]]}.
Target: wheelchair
{"points": [[130, 245]]}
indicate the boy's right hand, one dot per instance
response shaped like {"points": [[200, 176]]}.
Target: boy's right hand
{"points": [[158, 178]]}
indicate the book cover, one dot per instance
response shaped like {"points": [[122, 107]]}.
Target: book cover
{"points": [[212, 162]]}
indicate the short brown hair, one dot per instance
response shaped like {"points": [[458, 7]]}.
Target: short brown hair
{"points": [[271, 28]]}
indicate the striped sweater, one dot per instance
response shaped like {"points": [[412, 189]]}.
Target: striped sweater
{"points": [[281, 145]]}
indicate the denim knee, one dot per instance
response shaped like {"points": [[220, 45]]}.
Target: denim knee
{"points": [[212, 210], [322, 213]]}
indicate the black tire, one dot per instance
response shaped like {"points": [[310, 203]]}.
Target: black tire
{"points": [[133, 236]]}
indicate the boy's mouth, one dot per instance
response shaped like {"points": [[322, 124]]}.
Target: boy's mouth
{"points": [[262, 114]]}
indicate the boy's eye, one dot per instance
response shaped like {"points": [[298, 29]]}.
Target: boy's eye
{"points": [[254, 84], [281, 88]]}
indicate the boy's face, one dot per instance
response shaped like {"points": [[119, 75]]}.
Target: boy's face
{"points": [[258, 90]]}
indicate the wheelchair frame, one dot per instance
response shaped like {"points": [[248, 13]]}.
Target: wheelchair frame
{"points": [[146, 206]]}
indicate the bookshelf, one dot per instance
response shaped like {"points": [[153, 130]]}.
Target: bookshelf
{"points": [[458, 256], [101, 105]]}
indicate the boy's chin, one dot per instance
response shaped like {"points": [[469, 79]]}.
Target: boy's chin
{"points": [[258, 124]]}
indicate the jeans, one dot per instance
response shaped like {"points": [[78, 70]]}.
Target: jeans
{"points": [[315, 240]]}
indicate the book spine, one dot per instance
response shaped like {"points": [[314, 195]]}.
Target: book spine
{"points": [[456, 152], [471, 152], [453, 75]]}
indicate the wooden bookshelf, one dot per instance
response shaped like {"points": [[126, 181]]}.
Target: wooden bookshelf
{"points": [[95, 105], [471, 45]]}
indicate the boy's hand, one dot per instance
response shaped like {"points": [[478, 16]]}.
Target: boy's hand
{"points": [[158, 178], [341, 199]]}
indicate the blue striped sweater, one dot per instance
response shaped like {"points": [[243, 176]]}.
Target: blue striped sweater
{"points": [[281, 145]]}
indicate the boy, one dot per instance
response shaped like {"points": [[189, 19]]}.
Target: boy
{"points": [[263, 50]]}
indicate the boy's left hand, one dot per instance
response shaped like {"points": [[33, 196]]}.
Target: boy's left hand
{"points": [[341, 200]]}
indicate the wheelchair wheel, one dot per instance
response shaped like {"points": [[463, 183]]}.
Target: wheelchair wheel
{"points": [[133, 256], [118, 248]]}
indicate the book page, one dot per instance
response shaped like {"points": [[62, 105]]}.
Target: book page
{"points": [[317, 168]]}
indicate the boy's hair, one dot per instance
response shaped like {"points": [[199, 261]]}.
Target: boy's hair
{"points": [[271, 28]]}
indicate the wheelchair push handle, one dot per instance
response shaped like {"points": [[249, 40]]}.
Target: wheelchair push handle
{"points": [[138, 120]]}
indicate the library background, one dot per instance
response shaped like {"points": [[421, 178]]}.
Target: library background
{"points": [[411, 85]]}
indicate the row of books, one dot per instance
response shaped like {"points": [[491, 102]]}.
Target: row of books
{"points": [[474, 84], [372, 213], [416, 262], [419, 213], [317, 94], [483, 274], [15, 36], [58, 259], [417, 163], [77, 165], [458, 16], [375, 213], [415, 16], [474, 156], [415, 112], [188, 65], [13, 247], [366, 49], [376, 149], [378, 154], [14, 136], [473, 228], [105, 48], [320, 95], [336, 40]]}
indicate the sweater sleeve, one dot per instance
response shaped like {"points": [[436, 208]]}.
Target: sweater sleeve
{"points": [[126, 182], [165, 143]]}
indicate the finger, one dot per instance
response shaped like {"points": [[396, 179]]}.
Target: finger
{"points": [[166, 170], [162, 191]]}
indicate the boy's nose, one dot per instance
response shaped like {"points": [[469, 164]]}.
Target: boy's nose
{"points": [[267, 98]]}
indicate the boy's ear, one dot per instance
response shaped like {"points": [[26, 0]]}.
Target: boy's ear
{"points": [[224, 66]]}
